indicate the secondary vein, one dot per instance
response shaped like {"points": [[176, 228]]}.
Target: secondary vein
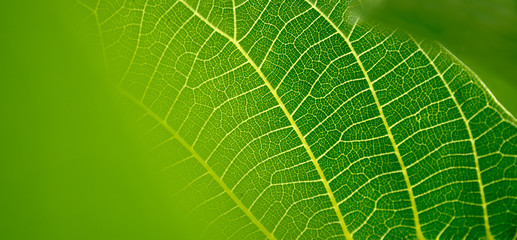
{"points": [[203, 163], [418, 229], [130, 65], [289, 117], [471, 138]]}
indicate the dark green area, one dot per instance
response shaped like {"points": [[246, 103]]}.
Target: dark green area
{"points": [[483, 34]]}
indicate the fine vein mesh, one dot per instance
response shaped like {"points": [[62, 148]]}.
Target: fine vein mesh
{"points": [[239, 94]]}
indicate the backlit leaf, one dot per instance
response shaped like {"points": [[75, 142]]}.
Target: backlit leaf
{"points": [[296, 120]]}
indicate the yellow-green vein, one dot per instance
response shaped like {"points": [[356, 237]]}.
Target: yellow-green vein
{"points": [[203, 163], [418, 228], [471, 138], [289, 117]]}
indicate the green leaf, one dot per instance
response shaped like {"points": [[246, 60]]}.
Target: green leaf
{"points": [[296, 120]]}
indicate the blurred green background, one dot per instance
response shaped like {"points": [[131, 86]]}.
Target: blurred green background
{"points": [[74, 165]]}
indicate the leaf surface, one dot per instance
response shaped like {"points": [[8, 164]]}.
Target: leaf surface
{"points": [[295, 120]]}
